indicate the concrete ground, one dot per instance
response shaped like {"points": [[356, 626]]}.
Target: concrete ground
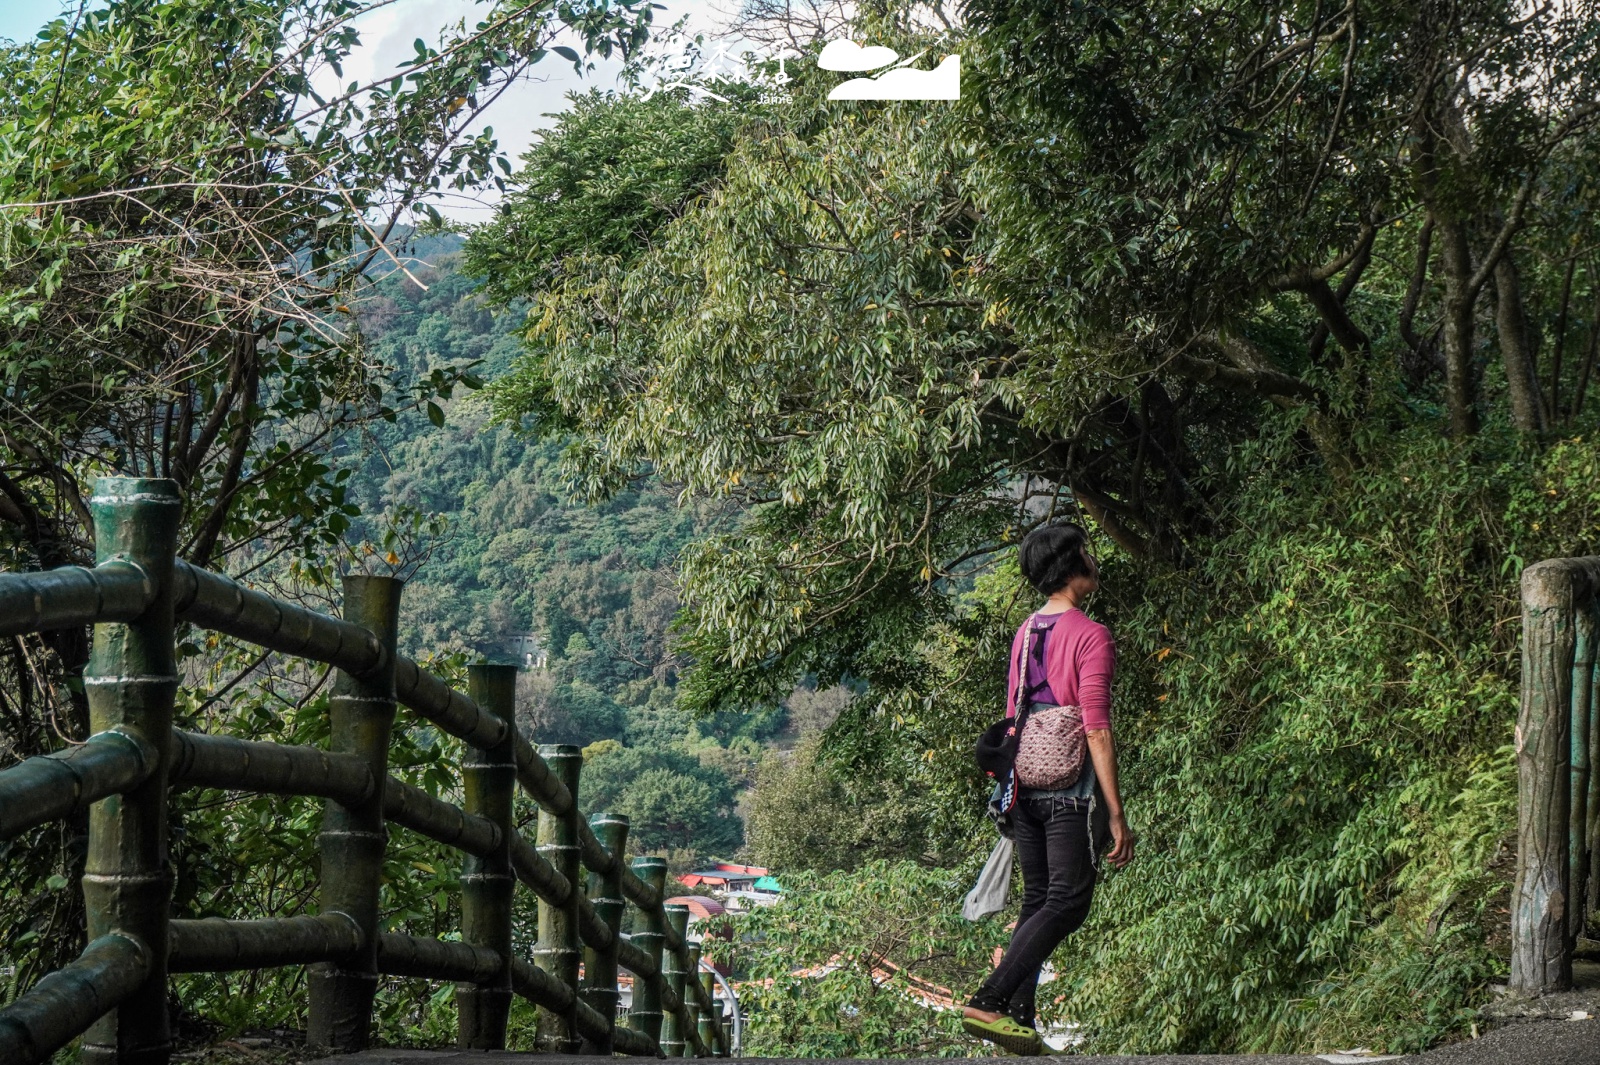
{"points": [[1528, 1042]]}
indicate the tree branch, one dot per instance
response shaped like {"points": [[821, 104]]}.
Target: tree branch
{"points": [[1419, 277], [1305, 276], [1247, 374], [204, 541]]}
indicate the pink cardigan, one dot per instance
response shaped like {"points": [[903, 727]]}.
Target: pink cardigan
{"points": [[1080, 659]]}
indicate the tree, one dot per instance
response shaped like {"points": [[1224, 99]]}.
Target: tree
{"points": [[808, 815], [189, 206], [812, 710], [171, 305], [674, 802], [1289, 148], [187, 223], [1179, 273], [837, 418], [613, 171], [846, 963]]}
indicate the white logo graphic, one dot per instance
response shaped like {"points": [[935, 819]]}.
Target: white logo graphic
{"points": [[848, 55], [903, 82], [678, 61]]}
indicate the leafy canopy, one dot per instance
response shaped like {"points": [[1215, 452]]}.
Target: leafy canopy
{"points": [[192, 196], [1219, 281]]}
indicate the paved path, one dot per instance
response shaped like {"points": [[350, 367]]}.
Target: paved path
{"points": [[1528, 1043]]}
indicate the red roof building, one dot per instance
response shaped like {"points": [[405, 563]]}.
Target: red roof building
{"points": [[727, 876], [699, 906]]}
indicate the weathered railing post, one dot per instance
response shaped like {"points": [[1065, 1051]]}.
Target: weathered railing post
{"points": [[605, 894], [1591, 895], [691, 998], [645, 1015], [131, 681], [1555, 752], [558, 948], [361, 716], [1580, 765], [490, 779], [673, 1037], [710, 1021]]}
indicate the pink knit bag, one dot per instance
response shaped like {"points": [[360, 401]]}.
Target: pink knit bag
{"points": [[1051, 749]]}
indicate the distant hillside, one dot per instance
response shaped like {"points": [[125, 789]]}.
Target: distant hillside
{"points": [[593, 586], [426, 252]]}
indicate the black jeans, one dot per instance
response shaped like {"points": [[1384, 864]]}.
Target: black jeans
{"points": [[1052, 835]]}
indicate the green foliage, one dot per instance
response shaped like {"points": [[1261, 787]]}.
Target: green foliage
{"points": [[191, 194], [842, 964], [1138, 278], [1157, 171], [806, 814], [185, 222], [1314, 724], [801, 340], [674, 802], [517, 556], [867, 333], [1315, 721], [1208, 278], [599, 185]]}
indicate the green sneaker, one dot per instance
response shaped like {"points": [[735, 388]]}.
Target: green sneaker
{"points": [[1007, 1033]]}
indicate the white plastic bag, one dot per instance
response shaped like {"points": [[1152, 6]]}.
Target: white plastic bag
{"points": [[994, 883]]}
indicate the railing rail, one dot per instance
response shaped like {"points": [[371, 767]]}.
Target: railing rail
{"points": [[1558, 796], [115, 994]]}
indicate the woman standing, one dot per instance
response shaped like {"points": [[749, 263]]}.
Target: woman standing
{"points": [[1061, 661]]}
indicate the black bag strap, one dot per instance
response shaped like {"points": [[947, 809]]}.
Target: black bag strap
{"points": [[1017, 704], [1007, 786], [1022, 694]]}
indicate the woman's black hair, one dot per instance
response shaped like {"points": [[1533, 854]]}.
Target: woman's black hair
{"points": [[1052, 555]]}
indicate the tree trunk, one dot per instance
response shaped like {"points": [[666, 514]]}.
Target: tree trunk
{"points": [[1589, 356], [1554, 407], [1527, 401], [1459, 300]]}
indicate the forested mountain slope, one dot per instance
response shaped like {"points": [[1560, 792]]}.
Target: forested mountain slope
{"points": [[498, 549]]}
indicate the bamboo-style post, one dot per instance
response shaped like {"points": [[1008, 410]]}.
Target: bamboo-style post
{"points": [[710, 1021], [489, 776], [1580, 764], [673, 1038], [605, 894], [131, 681], [1591, 826], [1541, 947], [558, 948], [361, 716], [645, 1015], [691, 998]]}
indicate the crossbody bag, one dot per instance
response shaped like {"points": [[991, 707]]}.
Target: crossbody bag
{"points": [[1042, 747]]}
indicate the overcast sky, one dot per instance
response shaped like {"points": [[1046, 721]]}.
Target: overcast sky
{"points": [[386, 37]]}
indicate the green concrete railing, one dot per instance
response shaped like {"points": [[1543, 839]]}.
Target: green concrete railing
{"points": [[115, 995]]}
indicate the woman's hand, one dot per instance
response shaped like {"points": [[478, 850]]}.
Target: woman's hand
{"points": [[1103, 752], [1122, 841]]}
